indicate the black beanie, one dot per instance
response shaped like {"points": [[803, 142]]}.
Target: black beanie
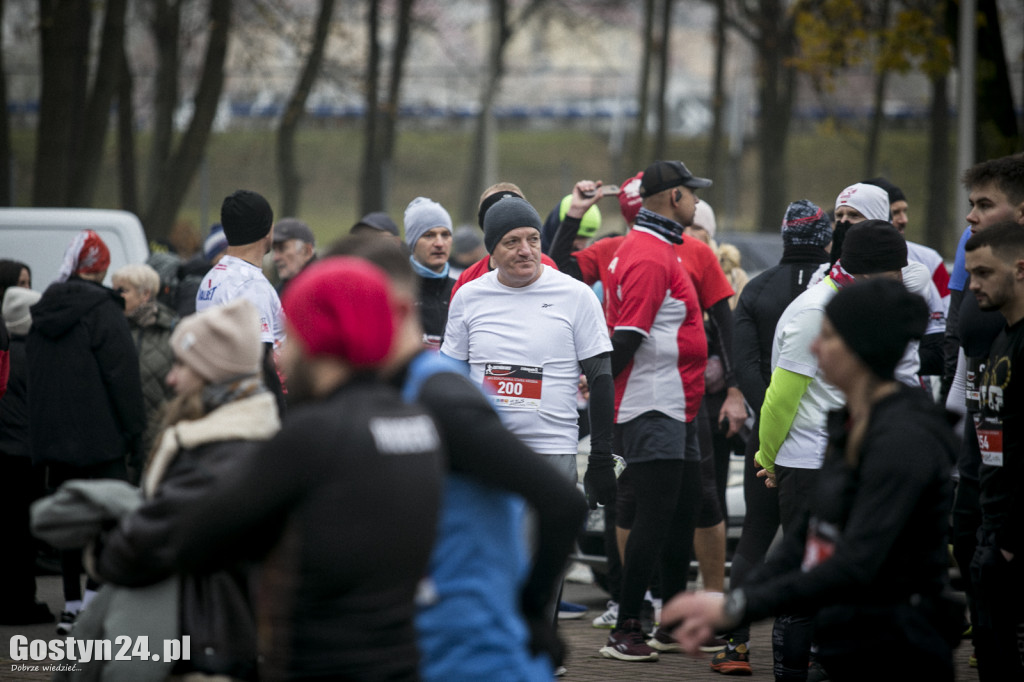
{"points": [[876, 319], [894, 192], [506, 215], [873, 246], [246, 217], [490, 201]]}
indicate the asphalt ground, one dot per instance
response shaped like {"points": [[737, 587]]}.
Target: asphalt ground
{"points": [[582, 639]]}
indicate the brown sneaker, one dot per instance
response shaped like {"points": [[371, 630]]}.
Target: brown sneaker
{"points": [[663, 642], [627, 644]]}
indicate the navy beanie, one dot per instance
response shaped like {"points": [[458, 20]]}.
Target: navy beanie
{"points": [[806, 223], [873, 246]]}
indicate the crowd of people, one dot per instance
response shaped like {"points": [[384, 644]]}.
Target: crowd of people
{"points": [[369, 470]]}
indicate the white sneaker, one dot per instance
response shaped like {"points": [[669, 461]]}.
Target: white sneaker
{"points": [[608, 618]]}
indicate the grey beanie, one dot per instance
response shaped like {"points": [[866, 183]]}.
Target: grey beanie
{"points": [[508, 214], [423, 214], [16, 304]]}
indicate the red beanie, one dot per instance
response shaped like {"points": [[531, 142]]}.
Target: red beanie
{"points": [[340, 306], [629, 197]]}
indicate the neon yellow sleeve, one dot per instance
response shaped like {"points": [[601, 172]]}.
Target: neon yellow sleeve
{"points": [[777, 413]]}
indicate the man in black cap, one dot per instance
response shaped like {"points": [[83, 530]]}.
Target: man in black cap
{"points": [[792, 429], [248, 223], [294, 248], [377, 222], [658, 360]]}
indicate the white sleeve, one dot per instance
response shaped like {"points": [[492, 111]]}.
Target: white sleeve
{"points": [[590, 333]]}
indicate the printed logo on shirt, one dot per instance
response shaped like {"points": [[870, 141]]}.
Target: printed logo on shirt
{"points": [[404, 435], [207, 295]]}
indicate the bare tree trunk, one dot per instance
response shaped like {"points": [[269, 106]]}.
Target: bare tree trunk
{"points": [[775, 92], [715, 161], [638, 153], [85, 165], [482, 147], [64, 42], [372, 196], [877, 109], [389, 124], [288, 174], [6, 190], [166, 32], [126, 137], [660, 147], [161, 213], [996, 133]]}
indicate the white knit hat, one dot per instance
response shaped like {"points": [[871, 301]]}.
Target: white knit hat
{"points": [[870, 201], [16, 304]]}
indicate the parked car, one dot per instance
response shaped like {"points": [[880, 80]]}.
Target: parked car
{"points": [[39, 236]]}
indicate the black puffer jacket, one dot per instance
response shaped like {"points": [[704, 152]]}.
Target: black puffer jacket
{"points": [[85, 405], [760, 306]]}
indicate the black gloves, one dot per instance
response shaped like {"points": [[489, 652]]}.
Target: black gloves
{"points": [[599, 481]]}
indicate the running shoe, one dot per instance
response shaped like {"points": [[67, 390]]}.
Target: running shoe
{"points": [[732, 661], [663, 642], [66, 623], [608, 618], [567, 610], [627, 644], [713, 644]]}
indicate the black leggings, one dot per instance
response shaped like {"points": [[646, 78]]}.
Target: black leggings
{"points": [[667, 502], [792, 633], [760, 524]]}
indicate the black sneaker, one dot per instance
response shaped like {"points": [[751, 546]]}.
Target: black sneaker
{"points": [[67, 623], [663, 642], [732, 661], [627, 644], [816, 673]]}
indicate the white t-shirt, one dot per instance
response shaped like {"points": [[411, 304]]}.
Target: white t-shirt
{"points": [[804, 446], [233, 278], [523, 346], [918, 279]]}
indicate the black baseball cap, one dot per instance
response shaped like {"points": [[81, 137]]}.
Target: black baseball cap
{"points": [[663, 175], [378, 220], [292, 228]]}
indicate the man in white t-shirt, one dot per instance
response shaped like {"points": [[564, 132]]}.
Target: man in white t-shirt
{"points": [[526, 330], [792, 430], [248, 223]]}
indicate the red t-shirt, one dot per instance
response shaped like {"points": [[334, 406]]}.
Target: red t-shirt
{"points": [[698, 258], [649, 292]]}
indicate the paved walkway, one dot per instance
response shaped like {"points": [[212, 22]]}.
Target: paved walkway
{"points": [[583, 640]]}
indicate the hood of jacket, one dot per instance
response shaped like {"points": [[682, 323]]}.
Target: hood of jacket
{"points": [[64, 304]]}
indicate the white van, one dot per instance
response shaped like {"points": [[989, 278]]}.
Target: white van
{"points": [[38, 237]]}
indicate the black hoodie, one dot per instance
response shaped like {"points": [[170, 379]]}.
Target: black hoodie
{"points": [[85, 403]]}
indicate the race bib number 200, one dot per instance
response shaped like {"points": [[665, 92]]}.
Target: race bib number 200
{"points": [[514, 387]]}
